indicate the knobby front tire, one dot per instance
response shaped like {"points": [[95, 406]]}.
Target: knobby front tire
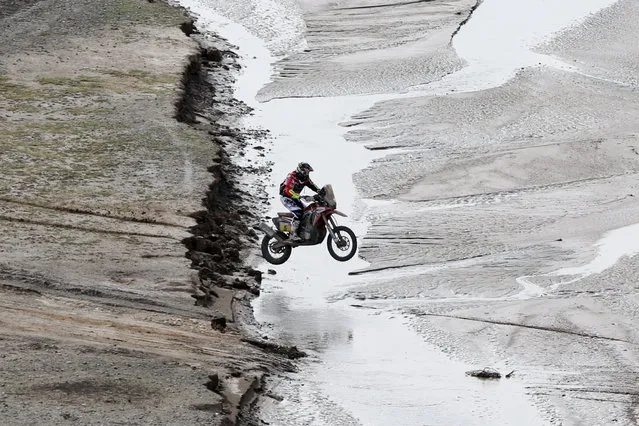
{"points": [[348, 243]]}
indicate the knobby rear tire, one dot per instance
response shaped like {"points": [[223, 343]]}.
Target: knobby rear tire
{"points": [[339, 231], [270, 258]]}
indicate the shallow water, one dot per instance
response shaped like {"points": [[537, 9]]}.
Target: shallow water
{"points": [[499, 40]]}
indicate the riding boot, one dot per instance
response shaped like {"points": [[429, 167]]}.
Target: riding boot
{"points": [[294, 230]]}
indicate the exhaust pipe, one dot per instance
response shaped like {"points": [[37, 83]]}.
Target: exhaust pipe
{"points": [[270, 232]]}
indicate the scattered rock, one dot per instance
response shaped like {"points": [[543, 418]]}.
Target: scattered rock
{"points": [[274, 396], [243, 285], [202, 299], [188, 28], [233, 254], [223, 268], [486, 373], [68, 416], [231, 54], [218, 322], [202, 244], [272, 272], [255, 274], [212, 54], [290, 351], [214, 382], [239, 284], [294, 353]]}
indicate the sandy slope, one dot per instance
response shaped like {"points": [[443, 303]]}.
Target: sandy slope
{"points": [[98, 184]]}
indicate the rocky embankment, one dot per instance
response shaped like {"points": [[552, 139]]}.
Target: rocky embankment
{"points": [[117, 118]]}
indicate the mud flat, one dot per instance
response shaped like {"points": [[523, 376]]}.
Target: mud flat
{"points": [[503, 206], [483, 228], [115, 120]]}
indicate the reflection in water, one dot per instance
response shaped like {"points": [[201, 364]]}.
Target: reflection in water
{"points": [[317, 327]]}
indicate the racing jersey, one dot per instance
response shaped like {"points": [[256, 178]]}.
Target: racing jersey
{"points": [[293, 185]]}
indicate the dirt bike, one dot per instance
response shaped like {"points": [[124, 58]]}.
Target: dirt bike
{"points": [[317, 222]]}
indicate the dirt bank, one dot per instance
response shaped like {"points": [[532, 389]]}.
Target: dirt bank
{"points": [[114, 158]]}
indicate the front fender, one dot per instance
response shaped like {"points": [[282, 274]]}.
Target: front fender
{"points": [[337, 212]]}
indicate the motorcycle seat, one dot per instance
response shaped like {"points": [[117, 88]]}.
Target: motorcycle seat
{"points": [[287, 214]]}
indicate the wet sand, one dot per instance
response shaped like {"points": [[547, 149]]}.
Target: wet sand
{"points": [[504, 188], [483, 201]]}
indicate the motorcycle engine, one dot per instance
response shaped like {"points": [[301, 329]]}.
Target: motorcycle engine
{"points": [[306, 227]]}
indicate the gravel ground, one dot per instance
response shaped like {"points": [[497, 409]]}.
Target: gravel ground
{"points": [[103, 320]]}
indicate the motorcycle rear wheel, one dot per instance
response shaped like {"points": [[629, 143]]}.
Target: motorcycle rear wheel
{"points": [[346, 245], [273, 255]]}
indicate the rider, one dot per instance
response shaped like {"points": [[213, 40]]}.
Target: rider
{"points": [[290, 194]]}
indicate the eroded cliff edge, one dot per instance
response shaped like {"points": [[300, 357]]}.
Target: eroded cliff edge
{"points": [[111, 139]]}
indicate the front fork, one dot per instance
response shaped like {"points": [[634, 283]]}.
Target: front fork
{"points": [[330, 224]]}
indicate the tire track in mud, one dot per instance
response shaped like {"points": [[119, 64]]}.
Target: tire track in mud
{"points": [[487, 197], [514, 324], [603, 391], [400, 238], [132, 333], [84, 229], [19, 289], [89, 213], [442, 264], [377, 6], [24, 282]]}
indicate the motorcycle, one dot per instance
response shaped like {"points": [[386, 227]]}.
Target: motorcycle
{"points": [[317, 222]]}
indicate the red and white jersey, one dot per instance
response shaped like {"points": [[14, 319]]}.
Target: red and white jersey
{"points": [[293, 185]]}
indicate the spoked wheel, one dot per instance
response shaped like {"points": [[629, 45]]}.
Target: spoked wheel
{"points": [[274, 252], [344, 246]]}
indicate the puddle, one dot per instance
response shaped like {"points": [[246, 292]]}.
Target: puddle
{"points": [[612, 247], [403, 377], [499, 39]]}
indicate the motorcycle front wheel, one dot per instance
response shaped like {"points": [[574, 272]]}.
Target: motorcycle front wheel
{"points": [[345, 245], [273, 254]]}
